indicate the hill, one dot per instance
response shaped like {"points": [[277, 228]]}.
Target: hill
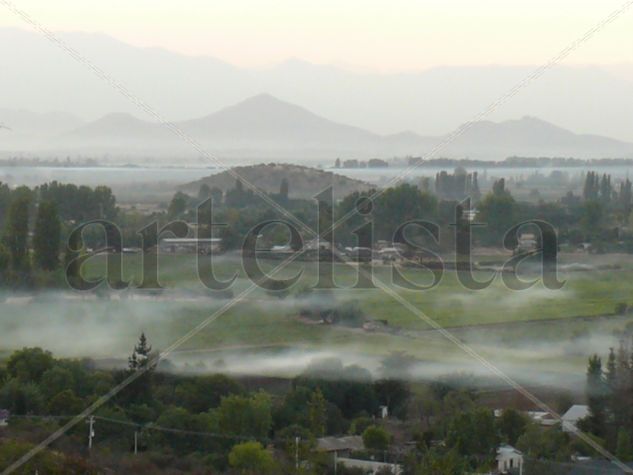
{"points": [[263, 126], [305, 182], [432, 101]]}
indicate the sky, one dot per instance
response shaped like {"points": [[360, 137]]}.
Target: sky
{"points": [[384, 36]]}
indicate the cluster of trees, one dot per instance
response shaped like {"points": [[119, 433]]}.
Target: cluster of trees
{"points": [[16, 258], [34, 223], [609, 392], [601, 214], [457, 186], [239, 424], [188, 423]]}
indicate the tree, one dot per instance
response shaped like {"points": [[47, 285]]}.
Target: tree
{"points": [[65, 404], [29, 364], [596, 397], [376, 438], [21, 397], [283, 190], [435, 462], [204, 392], [498, 210], [624, 449], [250, 458], [204, 192], [241, 415], [140, 357], [5, 257], [46, 236], [474, 434], [72, 262], [592, 218], [317, 413], [55, 380], [538, 443], [16, 234], [511, 425], [140, 390], [178, 205]]}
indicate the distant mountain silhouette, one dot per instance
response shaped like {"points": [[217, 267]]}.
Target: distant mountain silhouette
{"points": [[264, 126], [432, 101]]}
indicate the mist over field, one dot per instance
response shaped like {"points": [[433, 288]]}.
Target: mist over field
{"points": [[316, 238]]}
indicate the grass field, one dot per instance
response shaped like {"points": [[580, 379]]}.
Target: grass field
{"points": [[107, 327]]}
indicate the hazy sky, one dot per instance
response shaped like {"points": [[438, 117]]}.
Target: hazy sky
{"points": [[386, 35]]}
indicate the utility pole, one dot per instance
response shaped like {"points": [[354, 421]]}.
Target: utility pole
{"points": [[135, 442], [297, 454], [91, 432]]}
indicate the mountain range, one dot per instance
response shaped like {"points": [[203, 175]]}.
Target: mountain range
{"points": [[42, 78], [264, 127]]}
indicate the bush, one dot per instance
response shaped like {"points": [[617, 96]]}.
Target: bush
{"points": [[376, 438], [251, 458]]}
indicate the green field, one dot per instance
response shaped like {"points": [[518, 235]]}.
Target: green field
{"points": [[501, 324]]}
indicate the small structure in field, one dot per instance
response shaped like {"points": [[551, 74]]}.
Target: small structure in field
{"points": [[189, 245], [340, 446]]}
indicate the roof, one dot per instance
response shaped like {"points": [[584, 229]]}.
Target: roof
{"points": [[507, 450], [575, 413], [332, 444], [190, 240]]}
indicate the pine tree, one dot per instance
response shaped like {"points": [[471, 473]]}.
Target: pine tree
{"points": [[46, 237], [140, 357], [596, 397], [139, 390]]}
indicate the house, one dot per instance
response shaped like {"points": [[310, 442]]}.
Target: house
{"points": [[318, 244], [369, 467], [526, 242], [572, 416], [189, 245], [340, 446], [508, 458], [542, 418]]}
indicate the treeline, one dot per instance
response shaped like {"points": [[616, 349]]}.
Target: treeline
{"points": [[601, 215], [521, 162], [213, 423], [34, 223], [609, 393]]}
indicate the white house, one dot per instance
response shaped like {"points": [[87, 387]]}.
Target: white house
{"points": [[508, 458], [573, 415]]}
